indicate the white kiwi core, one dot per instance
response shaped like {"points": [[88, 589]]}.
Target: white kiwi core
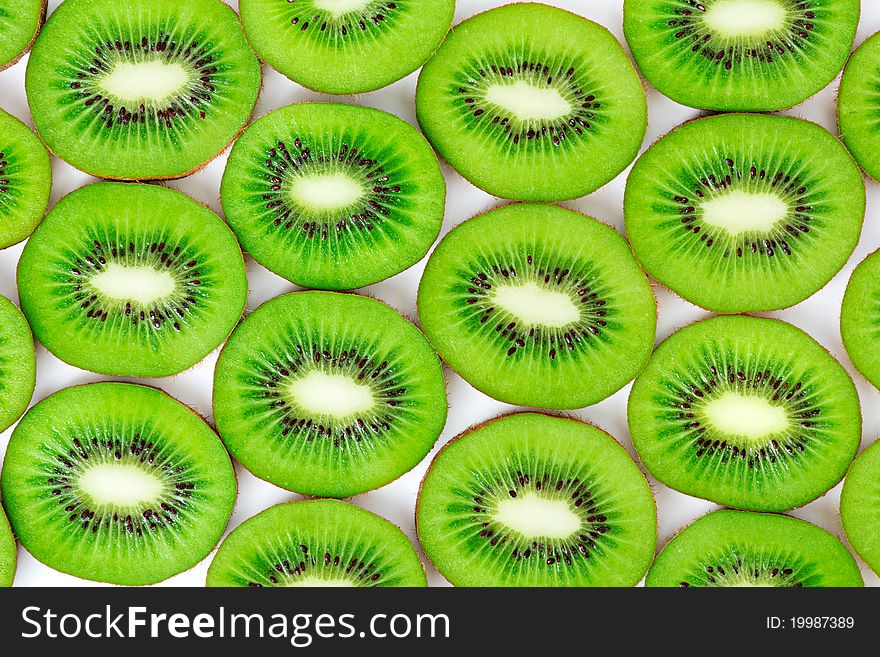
{"points": [[745, 18], [739, 212], [148, 81], [331, 395], [534, 305], [535, 516], [340, 7], [319, 582], [528, 102], [120, 485], [326, 192], [746, 416], [141, 284]]}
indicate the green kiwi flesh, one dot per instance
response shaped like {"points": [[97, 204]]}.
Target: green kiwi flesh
{"points": [[334, 196], [134, 280], [141, 91], [8, 552], [328, 394], [536, 500], [316, 543], [25, 180], [20, 20], [745, 55], [533, 103], [747, 412], [346, 47], [858, 102], [743, 212], [539, 306], [739, 548], [117, 483], [18, 363], [860, 318], [860, 506]]}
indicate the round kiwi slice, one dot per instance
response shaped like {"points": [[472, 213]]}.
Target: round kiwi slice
{"points": [[860, 506], [117, 483], [316, 543], [133, 280], [25, 179], [858, 106], [141, 91], [535, 500], [747, 412], [745, 212], [533, 103], [749, 55], [334, 196], [20, 20], [738, 548], [8, 552], [538, 306], [860, 318], [345, 46], [18, 364], [328, 394]]}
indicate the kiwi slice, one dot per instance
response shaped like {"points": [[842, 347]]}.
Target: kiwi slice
{"points": [[535, 500], [334, 196], [749, 55], [316, 543], [538, 306], [141, 91], [738, 548], [858, 106], [328, 394], [118, 483], [25, 179], [533, 103], [8, 550], [18, 364], [860, 318], [747, 412], [345, 46], [132, 280], [860, 506], [20, 20], [745, 212]]}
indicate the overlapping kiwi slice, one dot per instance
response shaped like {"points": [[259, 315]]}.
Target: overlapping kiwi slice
{"points": [[20, 20], [534, 103], [141, 90], [8, 552], [860, 318], [328, 394], [133, 280], [316, 543], [745, 212], [535, 500], [538, 306], [747, 55], [18, 363], [345, 46], [858, 106], [117, 483], [25, 180], [738, 548], [747, 412], [334, 196], [860, 506]]}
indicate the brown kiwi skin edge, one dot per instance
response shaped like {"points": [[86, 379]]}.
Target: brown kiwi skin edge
{"points": [[27, 48]]}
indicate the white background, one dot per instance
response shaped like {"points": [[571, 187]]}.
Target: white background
{"points": [[818, 315]]}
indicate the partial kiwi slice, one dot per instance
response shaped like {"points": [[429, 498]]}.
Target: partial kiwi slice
{"points": [[533, 103], [345, 46], [18, 363], [25, 180], [328, 394], [316, 543], [860, 506], [144, 90], [117, 483], [858, 106], [538, 306], [747, 412], [132, 280], [535, 500], [8, 552], [749, 55], [334, 196], [20, 20], [745, 212], [860, 318], [738, 548]]}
